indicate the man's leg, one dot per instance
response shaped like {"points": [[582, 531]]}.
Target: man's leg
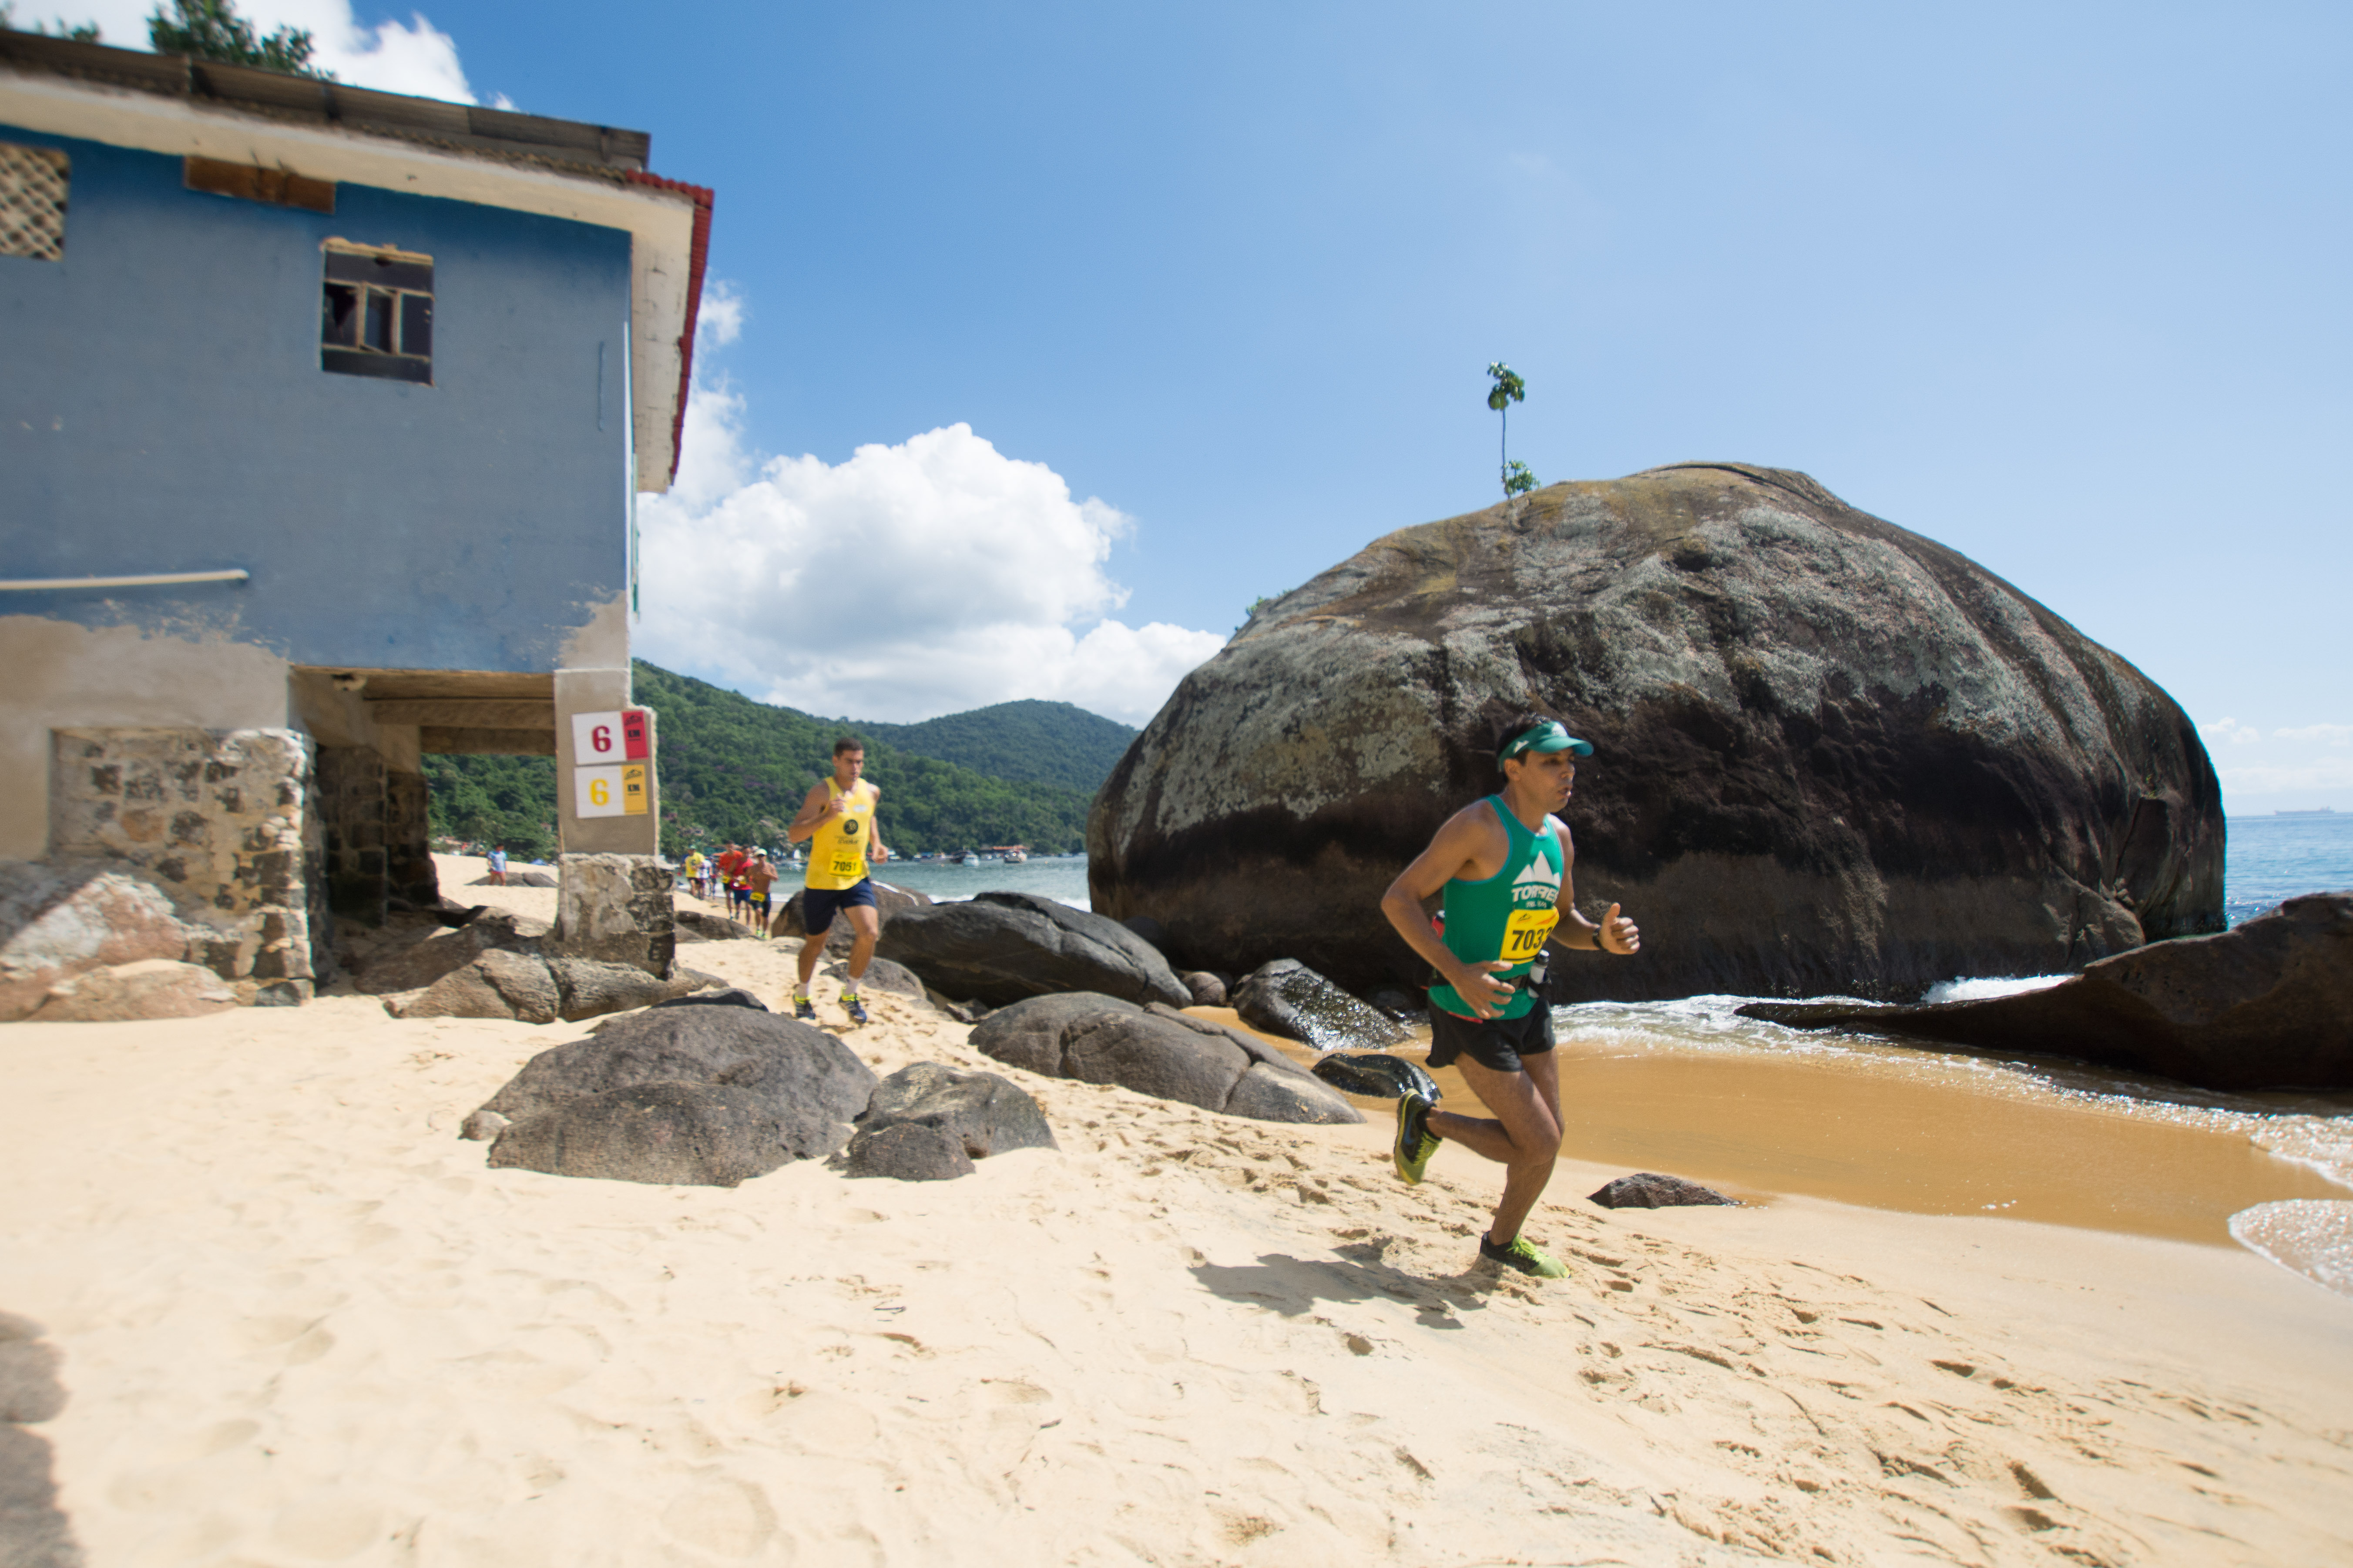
{"points": [[1524, 1137], [812, 950], [865, 929]]}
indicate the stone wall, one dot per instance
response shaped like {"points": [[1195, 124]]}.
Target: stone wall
{"points": [[222, 821], [352, 805], [409, 876]]}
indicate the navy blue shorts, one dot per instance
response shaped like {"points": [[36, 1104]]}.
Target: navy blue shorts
{"points": [[819, 905]]}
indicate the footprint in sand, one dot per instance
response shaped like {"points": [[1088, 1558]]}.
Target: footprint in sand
{"points": [[721, 1514]]}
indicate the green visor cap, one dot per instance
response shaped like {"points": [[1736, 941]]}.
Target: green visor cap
{"points": [[1547, 736]]}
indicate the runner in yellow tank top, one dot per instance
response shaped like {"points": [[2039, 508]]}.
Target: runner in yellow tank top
{"points": [[836, 820]]}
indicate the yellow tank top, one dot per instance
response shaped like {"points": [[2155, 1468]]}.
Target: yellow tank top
{"points": [[838, 851]]}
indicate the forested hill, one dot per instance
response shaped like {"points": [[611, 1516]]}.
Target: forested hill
{"points": [[736, 770], [1035, 742]]}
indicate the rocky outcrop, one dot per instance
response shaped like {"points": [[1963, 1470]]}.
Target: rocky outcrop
{"points": [[1158, 1051], [124, 993], [419, 964], [522, 984], [701, 1095], [702, 925], [1208, 989], [1833, 756], [927, 1122], [2268, 1006], [61, 921], [881, 974], [999, 947], [1649, 1190], [1287, 998]]}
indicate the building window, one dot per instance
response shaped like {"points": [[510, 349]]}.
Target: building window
{"points": [[376, 316], [32, 202]]}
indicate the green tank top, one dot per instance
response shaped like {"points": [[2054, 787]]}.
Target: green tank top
{"points": [[1507, 915]]}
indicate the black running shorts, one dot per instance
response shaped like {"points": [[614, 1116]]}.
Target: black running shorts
{"points": [[1498, 1044]]}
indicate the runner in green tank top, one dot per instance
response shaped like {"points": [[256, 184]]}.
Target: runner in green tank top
{"points": [[1503, 867]]}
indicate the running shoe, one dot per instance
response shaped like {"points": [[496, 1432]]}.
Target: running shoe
{"points": [[804, 1008], [1525, 1256], [1415, 1141], [855, 1008]]}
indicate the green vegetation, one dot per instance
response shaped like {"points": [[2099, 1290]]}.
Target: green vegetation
{"points": [[80, 33], [1508, 389], [1518, 478], [734, 770], [1029, 742], [212, 30]]}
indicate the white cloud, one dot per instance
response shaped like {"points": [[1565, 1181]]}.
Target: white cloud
{"points": [[414, 57], [2332, 774], [2333, 734], [925, 578], [2229, 730], [720, 320]]}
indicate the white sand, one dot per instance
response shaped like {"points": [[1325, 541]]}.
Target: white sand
{"points": [[304, 1323]]}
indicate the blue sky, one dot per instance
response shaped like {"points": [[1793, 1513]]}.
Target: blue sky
{"points": [[2063, 287]]}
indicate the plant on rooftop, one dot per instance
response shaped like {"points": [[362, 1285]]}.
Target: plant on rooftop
{"points": [[212, 30]]}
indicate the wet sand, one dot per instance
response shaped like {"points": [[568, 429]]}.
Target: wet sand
{"points": [[1920, 1131]]}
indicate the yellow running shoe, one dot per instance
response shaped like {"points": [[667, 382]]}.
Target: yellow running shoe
{"points": [[1415, 1141]]}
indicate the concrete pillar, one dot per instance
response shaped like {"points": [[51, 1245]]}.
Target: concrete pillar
{"points": [[408, 841], [350, 800], [616, 909], [614, 901]]}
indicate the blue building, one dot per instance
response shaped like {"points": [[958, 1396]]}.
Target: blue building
{"points": [[322, 415]]}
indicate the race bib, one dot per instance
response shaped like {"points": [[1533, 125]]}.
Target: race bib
{"points": [[1525, 934]]}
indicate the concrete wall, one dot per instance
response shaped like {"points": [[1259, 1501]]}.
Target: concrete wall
{"points": [[163, 411]]}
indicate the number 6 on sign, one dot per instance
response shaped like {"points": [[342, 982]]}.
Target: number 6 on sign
{"points": [[597, 791]]}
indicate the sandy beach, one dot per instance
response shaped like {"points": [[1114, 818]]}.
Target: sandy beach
{"points": [[302, 1322]]}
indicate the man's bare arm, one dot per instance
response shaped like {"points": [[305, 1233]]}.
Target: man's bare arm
{"points": [[813, 814], [1455, 850], [874, 849]]}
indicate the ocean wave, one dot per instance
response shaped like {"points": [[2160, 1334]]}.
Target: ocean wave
{"points": [[1983, 990], [2313, 1236]]}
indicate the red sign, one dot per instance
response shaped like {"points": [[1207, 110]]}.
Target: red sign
{"points": [[635, 723]]}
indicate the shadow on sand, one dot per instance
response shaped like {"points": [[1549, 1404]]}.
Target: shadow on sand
{"points": [[1294, 1285]]}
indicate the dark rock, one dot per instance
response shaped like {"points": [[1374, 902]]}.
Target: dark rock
{"points": [[685, 1135], [1002, 947], [726, 996], [1376, 1076], [1649, 1190], [1287, 998], [888, 904], [2268, 1006], [499, 983], [907, 1151], [589, 988], [1156, 1051], [702, 925], [446, 951], [518, 877], [1208, 990], [1833, 757], [881, 974], [1402, 1003], [1152, 932], [803, 1083], [985, 1114]]}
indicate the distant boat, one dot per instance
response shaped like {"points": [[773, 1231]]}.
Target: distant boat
{"points": [[969, 858], [2315, 811]]}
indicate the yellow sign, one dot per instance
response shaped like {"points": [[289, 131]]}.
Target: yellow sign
{"points": [[634, 796]]}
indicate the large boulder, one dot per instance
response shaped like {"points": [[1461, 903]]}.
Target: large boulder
{"points": [[445, 950], [150, 988], [1833, 756], [2268, 1006], [57, 920], [999, 947], [1285, 997], [1159, 1051], [707, 1095]]}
